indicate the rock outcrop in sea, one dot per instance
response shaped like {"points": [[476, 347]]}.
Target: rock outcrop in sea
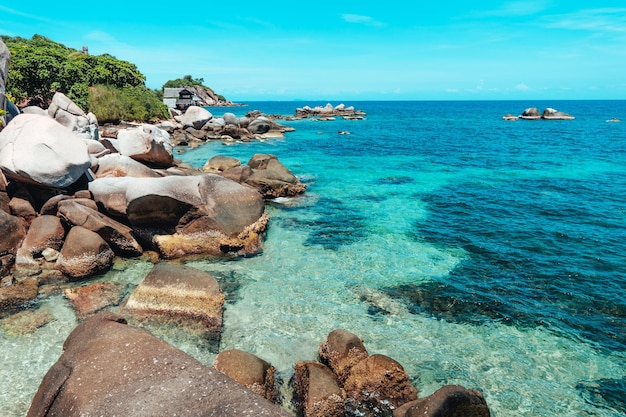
{"points": [[532, 113]]}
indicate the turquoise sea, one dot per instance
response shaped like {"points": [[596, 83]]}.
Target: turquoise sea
{"points": [[472, 250]]}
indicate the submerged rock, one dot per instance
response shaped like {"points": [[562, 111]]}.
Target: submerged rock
{"points": [[182, 295], [89, 299]]}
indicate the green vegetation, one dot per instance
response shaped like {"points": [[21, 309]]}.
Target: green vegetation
{"points": [[112, 89]]}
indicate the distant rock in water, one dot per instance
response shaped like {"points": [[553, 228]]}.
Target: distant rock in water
{"points": [[532, 113], [328, 111]]}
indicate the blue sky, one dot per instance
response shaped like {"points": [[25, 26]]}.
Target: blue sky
{"points": [[392, 50]]}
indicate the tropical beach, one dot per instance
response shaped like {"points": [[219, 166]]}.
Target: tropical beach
{"points": [[310, 257]]}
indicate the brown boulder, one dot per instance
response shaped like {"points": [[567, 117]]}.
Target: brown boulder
{"points": [[84, 253], [12, 231], [378, 382], [449, 401], [272, 178], [220, 163], [179, 294], [341, 351], [23, 208], [117, 235], [45, 232], [248, 370], [89, 299], [112, 369], [317, 391]]}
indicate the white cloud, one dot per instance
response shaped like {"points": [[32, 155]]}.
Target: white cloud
{"points": [[363, 20], [522, 87], [602, 20]]}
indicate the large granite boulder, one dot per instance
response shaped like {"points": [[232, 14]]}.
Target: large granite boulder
{"points": [[147, 144], [317, 392], [377, 383], [84, 253], [341, 351], [117, 235], [112, 369], [249, 370], [5, 60], [118, 165], [67, 113], [196, 117], [37, 149], [182, 295], [553, 114], [531, 113], [449, 401], [181, 215], [272, 178]]}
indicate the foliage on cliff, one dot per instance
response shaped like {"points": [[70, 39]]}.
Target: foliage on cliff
{"points": [[40, 67]]}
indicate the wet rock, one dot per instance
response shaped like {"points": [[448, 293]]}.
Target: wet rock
{"points": [[18, 293], [84, 253], [182, 295], [449, 401], [249, 370], [118, 236], [378, 383], [272, 178], [317, 391], [341, 351], [39, 150], [27, 321], [89, 299], [183, 215], [110, 368]]}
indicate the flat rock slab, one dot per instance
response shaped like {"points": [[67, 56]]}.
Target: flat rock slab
{"points": [[179, 294], [111, 369]]}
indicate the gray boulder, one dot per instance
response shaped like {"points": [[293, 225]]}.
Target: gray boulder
{"points": [[260, 125], [204, 214], [118, 165], [36, 149], [66, 112], [196, 117], [110, 368], [147, 144], [230, 119]]}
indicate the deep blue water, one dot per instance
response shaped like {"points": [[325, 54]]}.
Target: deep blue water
{"points": [[534, 212]]}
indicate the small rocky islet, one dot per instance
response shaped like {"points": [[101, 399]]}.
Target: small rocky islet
{"points": [[76, 196], [532, 113]]}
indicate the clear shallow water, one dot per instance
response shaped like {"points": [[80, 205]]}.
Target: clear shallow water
{"points": [[472, 250]]}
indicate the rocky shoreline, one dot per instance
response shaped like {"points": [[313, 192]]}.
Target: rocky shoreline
{"points": [[76, 196]]}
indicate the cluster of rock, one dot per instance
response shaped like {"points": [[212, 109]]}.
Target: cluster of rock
{"points": [[328, 112], [532, 113], [71, 199], [197, 125], [110, 368]]}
